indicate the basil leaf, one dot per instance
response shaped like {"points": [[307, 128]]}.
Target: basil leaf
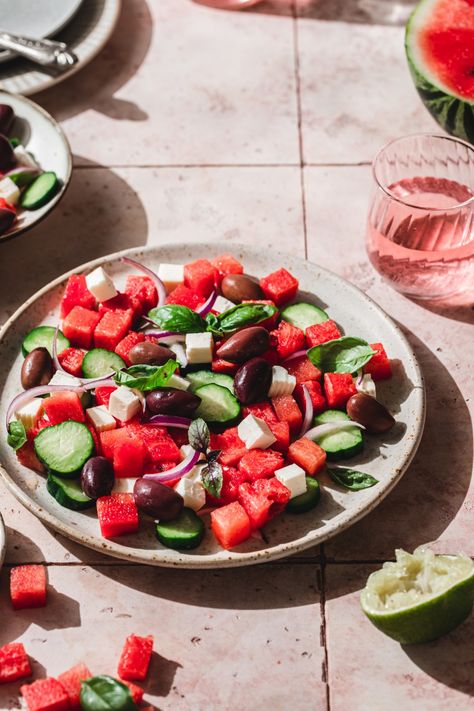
{"points": [[199, 435], [213, 324], [244, 315], [341, 355], [146, 377], [179, 319], [352, 479], [103, 693], [211, 477], [16, 434], [212, 456]]}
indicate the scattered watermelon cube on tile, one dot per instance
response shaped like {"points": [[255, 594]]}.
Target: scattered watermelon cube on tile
{"points": [[45, 695], [136, 691], [117, 515], [135, 658], [28, 586], [71, 681], [14, 662]]}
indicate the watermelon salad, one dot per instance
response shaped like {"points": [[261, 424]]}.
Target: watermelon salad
{"points": [[197, 390]]}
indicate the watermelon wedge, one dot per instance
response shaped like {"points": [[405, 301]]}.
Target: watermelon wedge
{"points": [[439, 44]]}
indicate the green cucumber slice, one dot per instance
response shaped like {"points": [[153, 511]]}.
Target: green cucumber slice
{"points": [[303, 315], [40, 191], [204, 377], [68, 493], [307, 501], [64, 448], [42, 337], [217, 403], [183, 533], [99, 362], [340, 445]]}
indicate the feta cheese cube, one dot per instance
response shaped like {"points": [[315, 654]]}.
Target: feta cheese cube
{"points": [[171, 275], [123, 485], [100, 418], [222, 304], [24, 158], [199, 347], [66, 379], [101, 285], [9, 191], [29, 413], [193, 493], [282, 382], [294, 478], [176, 381], [124, 403], [255, 433], [186, 450], [366, 385]]}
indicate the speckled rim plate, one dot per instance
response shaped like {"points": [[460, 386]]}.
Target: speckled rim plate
{"points": [[385, 457]]}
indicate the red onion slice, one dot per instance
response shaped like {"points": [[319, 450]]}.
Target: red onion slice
{"points": [[176, 472], [207, 306], [160, 287], [298, 354], [170, 336], [170, 421], [56, 362], [308, 411], [180, 353], [329, 428]]}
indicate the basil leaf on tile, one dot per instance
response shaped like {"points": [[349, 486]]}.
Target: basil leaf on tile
{"points": [[103, 693], [352, 479], [341, 355]]}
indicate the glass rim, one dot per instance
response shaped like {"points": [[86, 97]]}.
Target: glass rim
{"points": [[389, 194]]}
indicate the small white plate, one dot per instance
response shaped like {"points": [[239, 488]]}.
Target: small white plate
{"points": [[45, 139]]}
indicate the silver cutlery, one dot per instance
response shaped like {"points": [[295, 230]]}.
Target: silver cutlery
{"points": [[48, 53]]}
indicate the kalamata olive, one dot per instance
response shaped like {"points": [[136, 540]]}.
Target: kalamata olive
{"points": [[7, 218], [245, 344], [97, 477], [7, 157], [240, 287], [157, 500], [171, 401], [368, 411], [252, 380], [37, 368], [148, 353], [6, 118]]}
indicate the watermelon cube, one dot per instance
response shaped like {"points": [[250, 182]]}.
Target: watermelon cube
{"points": [[322, 333], [271, 356], [71, 681], [159, 445], [136, 691], [71, 360], [287, 410], [263, 500], [185, 297], [76, 294], [117, 515], [280, 430], [230, 524], [26, 455], [14, 662], [308, 455], [302, 369], [102, 394], [317, 398], [142, 290], [260, 463], [338, 387], [226, 264], [280, 286], [263, 410], [287, 339], [62, 406], [231, 480], [79, 326], [126, 344], [135, 658], [200, 276], [28, 586], [45, 695], [231, 446], [129, 458], [379, 365], [121, 303], [111, 329], [219, 365]]}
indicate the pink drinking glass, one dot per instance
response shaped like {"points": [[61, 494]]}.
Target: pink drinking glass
{"points": [[228, 4], [420, 226]]}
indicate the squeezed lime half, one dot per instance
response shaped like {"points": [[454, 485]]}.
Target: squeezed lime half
{"points": [[421, 596]]}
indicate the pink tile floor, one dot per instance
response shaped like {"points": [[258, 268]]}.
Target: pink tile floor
{"points": [[253, 127]]}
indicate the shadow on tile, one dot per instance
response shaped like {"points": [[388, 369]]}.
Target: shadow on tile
{"points": [[161, 676], [460, 309], [364, 12]]}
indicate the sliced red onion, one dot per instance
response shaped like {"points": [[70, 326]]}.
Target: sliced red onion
{"points": [[365, 384], [298, 354], [308, 411], [56, 362], [360, 377], [160, 287], [170, 336], [207, 306], [329, 428], [170, 421], [176, 472]]}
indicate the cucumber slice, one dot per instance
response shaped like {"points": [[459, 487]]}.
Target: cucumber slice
{"points": [[217, 403], [42, 337], [183, 533], [99, 362], [64, 448], [40, 191], [68, 493], [307, 501], [303, 315], [204, 377], [340, 445]]}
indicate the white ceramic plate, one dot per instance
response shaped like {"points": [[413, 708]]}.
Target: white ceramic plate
{"points": [[44, 138], [385, 457]]}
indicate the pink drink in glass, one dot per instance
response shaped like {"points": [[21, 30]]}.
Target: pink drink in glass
{"points": [[228, 4]]}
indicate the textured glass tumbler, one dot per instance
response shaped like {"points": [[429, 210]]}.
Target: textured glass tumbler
{"points": [[228, 4], [420, 226]]}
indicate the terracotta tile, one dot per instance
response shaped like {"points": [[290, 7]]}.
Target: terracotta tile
{"points": [[368, 670]]}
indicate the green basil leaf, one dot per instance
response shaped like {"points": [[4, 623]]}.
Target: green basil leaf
{"points": [[211, 477], [244, 315], [212, 456], [103, 693], [352, 479], [179, 319], [16, 434], [213, 324], [199, 435], [146, 377], [341, 355]]}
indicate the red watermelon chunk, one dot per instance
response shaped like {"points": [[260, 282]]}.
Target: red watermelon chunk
{"points": [[233, 449], [263, 500], [79, 326], [200, 276], [287, 410], [135, 658], [262, 410], [129, 458], [379, 365], [159, 445], [126, 344], [302, 369], [27, 457], [111, 329], [71, 681], [102, 394], [45, 695], [142, 290], [219, 365], [338, 387], [280, 286], [28, 586], [76, 294], [230, 525], [226, 264], [121, 303], [62, 406], [322, 333], [280, 430], [136, 691], [260, 463], [184, 296], [117, 515], [231, 480], [308, 455], [14, 662], [317, 398], [71, 360], [287, 339]]}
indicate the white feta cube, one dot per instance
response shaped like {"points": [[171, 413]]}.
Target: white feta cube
{"points": [[222, 304], [29, 413], [193, 493], [100, 418], [255, 433], [294, 478], [366, 385], [171, 275], [124, 403], [186, 450], [199, 347], [176, 381], [123, 485], [66, 379], [101, 285], [282, 382], [24, 158], [9, 191]]}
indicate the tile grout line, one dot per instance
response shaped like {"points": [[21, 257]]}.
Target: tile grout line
{"points": [[324, 629], [190, 166], [296, 60]]}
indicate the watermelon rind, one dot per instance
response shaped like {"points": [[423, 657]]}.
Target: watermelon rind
{"points": [[453, 113]]}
